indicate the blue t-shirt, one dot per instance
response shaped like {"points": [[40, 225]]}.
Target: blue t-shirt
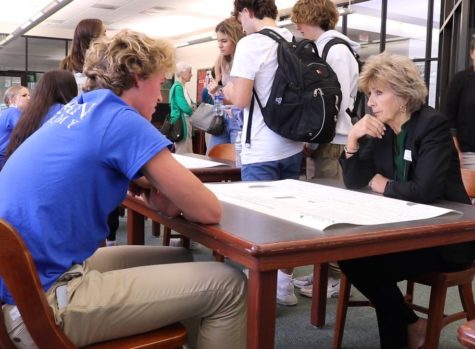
{"points": [[52, 111], [60, 185], [8, 119]]}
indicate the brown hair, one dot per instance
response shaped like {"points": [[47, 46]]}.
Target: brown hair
{"points": [[86, 31], [322, 13], [233, 30], [260, 8], [399, 73], [115, 63]]}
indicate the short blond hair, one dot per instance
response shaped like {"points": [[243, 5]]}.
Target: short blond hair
{"points": [[115, 62], [399, 73], [322, 13]]}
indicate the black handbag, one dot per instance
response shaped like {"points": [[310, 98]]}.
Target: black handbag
{"points": [[173, 132]]}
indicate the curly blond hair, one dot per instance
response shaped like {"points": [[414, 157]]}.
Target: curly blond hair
{"points": [[322, 13], [115, 62], [399, 73]]}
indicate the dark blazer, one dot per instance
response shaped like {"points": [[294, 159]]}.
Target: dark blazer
{"points": [[432, 168], [459, 106]]}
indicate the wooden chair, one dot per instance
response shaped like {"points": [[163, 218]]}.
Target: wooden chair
{"points": [[466, 334], [468, 178], [219, 151], [223, 151], [436, 319], [18, 271], [320, 274]]}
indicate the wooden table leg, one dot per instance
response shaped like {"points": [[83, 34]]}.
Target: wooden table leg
{"points": [[135, 228], [319, 294], [261, 309]]}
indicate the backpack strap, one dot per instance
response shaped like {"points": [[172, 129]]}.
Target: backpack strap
{"points": [[249, 118], [279, 39], [359, 98], [272, 34], [337, 41]]}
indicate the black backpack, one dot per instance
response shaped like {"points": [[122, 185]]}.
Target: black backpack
{"points": [[305, 96], [360, 107]]}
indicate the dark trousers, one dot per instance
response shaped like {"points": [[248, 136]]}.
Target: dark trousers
{"points": [[113, 223], [376, 277]]}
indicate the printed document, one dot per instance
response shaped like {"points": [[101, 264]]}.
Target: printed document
{"points": [[319, 206], [191, 162]]}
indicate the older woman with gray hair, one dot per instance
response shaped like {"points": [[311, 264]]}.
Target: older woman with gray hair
{"points": [[181, 107], [404, 150]]}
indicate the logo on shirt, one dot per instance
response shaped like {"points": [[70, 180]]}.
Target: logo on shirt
{"points": [[72, 113]]}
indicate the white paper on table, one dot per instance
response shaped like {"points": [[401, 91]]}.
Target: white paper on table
{"points": [[191, 162], [319, 206]]}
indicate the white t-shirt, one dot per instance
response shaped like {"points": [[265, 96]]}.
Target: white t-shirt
{"points": [[256, 59]]}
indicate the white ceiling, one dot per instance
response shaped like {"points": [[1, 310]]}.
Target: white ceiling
{"points": [[178, 20], [175, 19]]}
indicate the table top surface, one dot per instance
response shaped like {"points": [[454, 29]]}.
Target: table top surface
{"points": [[261, 234]]}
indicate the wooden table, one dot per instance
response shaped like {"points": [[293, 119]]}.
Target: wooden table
{"points": [[264, 244], [228, 172]]}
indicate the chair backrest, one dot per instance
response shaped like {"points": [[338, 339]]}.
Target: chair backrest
{"points": [[468, 178], [18, 271], [224, 151]]}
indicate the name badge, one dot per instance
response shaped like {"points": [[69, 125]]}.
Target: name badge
{"points": [[407, 155]]}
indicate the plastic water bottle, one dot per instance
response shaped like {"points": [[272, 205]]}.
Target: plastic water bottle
{"points": [[218, 104], [238, 146]]}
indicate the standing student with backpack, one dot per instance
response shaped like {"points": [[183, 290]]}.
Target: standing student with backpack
{"points": [[316, 20], [269, 156]]}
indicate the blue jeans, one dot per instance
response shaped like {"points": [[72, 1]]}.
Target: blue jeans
{"points": [[288, 168], [232, 125]]}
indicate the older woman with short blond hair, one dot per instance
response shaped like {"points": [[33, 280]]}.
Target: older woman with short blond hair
{"points": [[403, 150]]}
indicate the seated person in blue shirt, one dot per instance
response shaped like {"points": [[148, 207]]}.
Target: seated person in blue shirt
{"points": [[59, 186], [16, 98], [404, 150], [51, 93]]}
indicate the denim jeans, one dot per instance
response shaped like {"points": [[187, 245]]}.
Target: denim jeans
{"points": [[288, 168]]}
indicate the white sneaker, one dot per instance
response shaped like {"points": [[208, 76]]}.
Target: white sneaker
{"points": [[285, 290], [333, 289], [110, 243], [302, 281]]}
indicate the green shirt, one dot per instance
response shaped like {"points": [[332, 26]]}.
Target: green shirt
{"points": [[399, 147]]}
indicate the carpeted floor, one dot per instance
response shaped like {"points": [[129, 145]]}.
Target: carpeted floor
{"points": [[293, 329]]}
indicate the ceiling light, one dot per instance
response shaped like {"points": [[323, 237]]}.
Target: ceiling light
{"points": [[26, 24], [47, 11], [181, 44], [38, 15]]}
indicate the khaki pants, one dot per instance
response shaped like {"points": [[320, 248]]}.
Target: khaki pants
{"points": [[125, 290], [324, 162]]}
